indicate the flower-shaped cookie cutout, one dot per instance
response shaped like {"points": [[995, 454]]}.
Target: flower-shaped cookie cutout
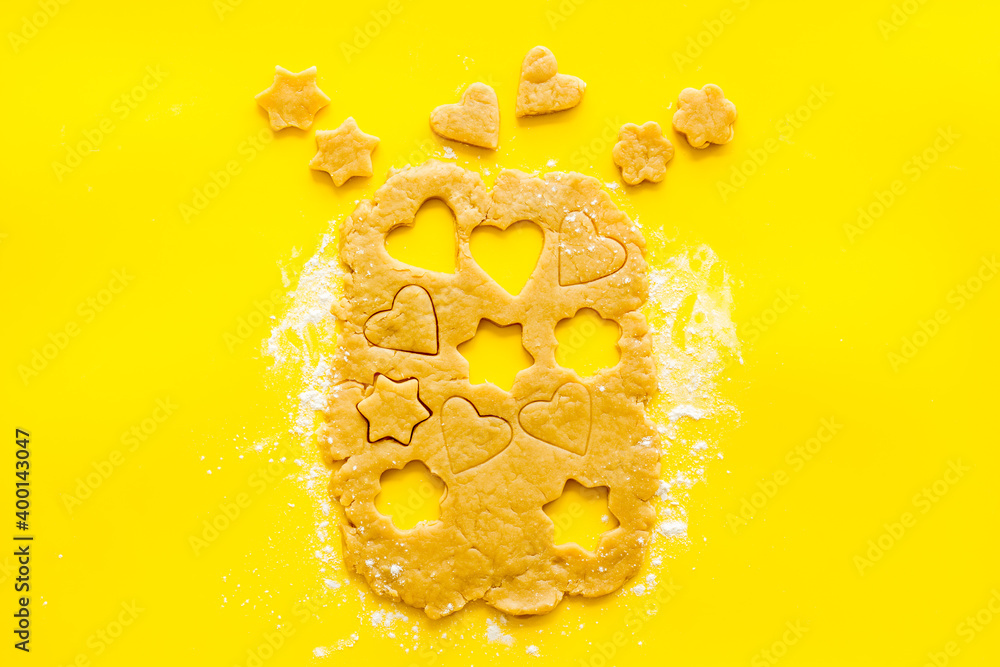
{"points": [[705, 116], [293, 99], [344, 152], [642, 152]]}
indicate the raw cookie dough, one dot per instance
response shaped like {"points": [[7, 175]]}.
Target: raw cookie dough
{"points": [[293, 99], [705, 116], [475, 120], [642, 152], [542, 89], [344, 152], [502, 455]]}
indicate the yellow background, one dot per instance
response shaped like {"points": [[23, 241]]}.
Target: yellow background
{"points": [[888, 93]]}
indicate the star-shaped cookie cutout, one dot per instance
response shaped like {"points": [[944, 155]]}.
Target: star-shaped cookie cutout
{"points": [[344, 152], [393, 409], [293, 99]]}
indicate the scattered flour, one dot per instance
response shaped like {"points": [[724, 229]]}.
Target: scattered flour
{"points": [[673, 529], [323, 651], [495, 634], [694, 342], [685, 411], [385, 619]]}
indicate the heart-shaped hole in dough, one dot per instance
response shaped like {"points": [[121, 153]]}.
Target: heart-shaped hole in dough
{"points": [[429, 241], [508, 255]]}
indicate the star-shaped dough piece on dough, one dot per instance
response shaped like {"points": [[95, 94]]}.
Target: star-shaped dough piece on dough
{"points": [[705, 116], [344, 152], [293, 99], [393, 409]]}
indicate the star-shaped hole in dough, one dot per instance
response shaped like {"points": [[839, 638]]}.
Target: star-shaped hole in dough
{"points": [[344, 152], [705, 116], [293, 99], [393, 409], [642, 152]]}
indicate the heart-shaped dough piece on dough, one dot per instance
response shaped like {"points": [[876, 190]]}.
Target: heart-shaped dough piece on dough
{"points": [[542, 88], [474, 121], [585, 255], [471, 438], [410, 325], [564, 421]]}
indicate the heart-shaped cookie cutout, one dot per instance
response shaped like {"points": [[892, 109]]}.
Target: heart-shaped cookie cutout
{"points": [[410, 325], [508, 255], [474, 121], [542, 88], [564, 421], [585, 255], [471, 438]]}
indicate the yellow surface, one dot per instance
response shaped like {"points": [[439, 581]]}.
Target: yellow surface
{"points": [[149, 259]]}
